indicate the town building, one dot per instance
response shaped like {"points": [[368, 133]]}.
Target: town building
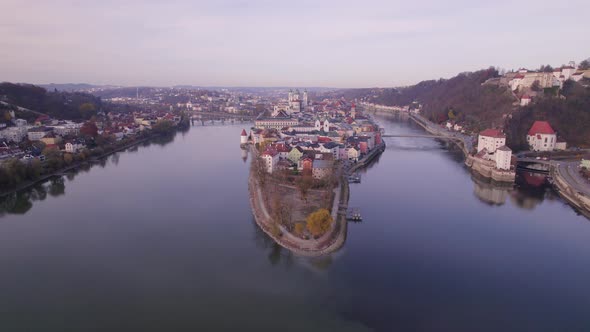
{"points": [[270, 159], [278, 122], [37, 133], [541, 137], [503, 157], [13, 134], [490, 139], [244, 137]]}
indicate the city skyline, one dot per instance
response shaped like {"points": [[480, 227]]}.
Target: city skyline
{"points": [[262, 43]]}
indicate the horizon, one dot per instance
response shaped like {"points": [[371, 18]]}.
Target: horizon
{"points": [[263, 44]]}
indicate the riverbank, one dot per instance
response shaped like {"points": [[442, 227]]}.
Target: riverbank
{"points": [[28, 184], [328, 243], [567, 189], [485, 168]]}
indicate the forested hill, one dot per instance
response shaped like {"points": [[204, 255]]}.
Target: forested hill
{"points": [[57, 104], [464, 98], [465, 95]]}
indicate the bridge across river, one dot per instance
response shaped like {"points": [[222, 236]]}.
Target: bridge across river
{"points": [[424, 136]]}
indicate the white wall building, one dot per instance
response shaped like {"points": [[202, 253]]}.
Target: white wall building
{"points": [[541, 137], [13, 134], [270, 159], [503, 157], [490, 139]]}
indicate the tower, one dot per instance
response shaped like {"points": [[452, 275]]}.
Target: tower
{"points": [[305, 98], [353, 111], [244, 137]]}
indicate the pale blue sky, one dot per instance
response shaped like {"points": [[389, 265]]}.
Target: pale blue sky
{"points": [[288, 43]]}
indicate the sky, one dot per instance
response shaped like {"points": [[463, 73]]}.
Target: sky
{"points": [[298, 43]]}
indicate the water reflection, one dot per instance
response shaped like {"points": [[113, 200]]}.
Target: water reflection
{"points": [[489, 192], [22, 201]]}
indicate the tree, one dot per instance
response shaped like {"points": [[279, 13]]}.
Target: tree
{"points": [[546, 69], [89, 129], [536, 86], [163, 127], [304, 183], [319, 222], [299, 228], [87, 110], [68, 158]]}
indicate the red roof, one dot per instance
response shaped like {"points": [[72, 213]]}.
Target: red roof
{"points": [[541, 127], [244, 132], [493, 133]]}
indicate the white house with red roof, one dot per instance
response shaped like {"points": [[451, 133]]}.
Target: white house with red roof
{"points": [[490, 139], [541, 137], [525, 100]]}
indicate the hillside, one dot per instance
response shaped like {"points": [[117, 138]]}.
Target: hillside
{"points": [[479, 105], [568, 115], [59, 105]]}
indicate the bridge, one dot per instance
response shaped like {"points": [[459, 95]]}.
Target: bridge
{"points": [[223, 115], [424, 136], [534, 161]]}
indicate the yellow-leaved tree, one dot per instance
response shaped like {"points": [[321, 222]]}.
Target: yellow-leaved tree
{"points": [[319, 222]]}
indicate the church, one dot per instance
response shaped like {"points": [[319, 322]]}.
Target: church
{"points": [[297, 101]]}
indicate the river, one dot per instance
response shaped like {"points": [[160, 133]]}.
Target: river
{"points": [[161, 237]]}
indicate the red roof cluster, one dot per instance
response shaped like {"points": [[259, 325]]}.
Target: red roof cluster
{"points": [[541, 127], [493, 133]]}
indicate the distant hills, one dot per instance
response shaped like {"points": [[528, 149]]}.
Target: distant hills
{"points": [[72, 87]]}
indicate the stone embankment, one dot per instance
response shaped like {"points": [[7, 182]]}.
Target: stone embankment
{"points": [[568, 191]]}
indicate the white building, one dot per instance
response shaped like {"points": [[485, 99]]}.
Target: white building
{"points": [[490, 139], [73, 147], [13, 134], [270, 159], [322, 125], [276, 123], [503, 157], [20, 122], [525, 100], [243, 137], [541, 137], [38, 133]]}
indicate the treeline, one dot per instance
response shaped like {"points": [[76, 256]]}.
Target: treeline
{"points": [[568, 115], [56, 104]]}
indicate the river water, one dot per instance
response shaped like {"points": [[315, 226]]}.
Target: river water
{"points": [[162, 238]]}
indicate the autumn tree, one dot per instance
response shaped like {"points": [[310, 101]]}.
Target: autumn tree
{"points": [[299, 228], [89, 129], [319, 222]]}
